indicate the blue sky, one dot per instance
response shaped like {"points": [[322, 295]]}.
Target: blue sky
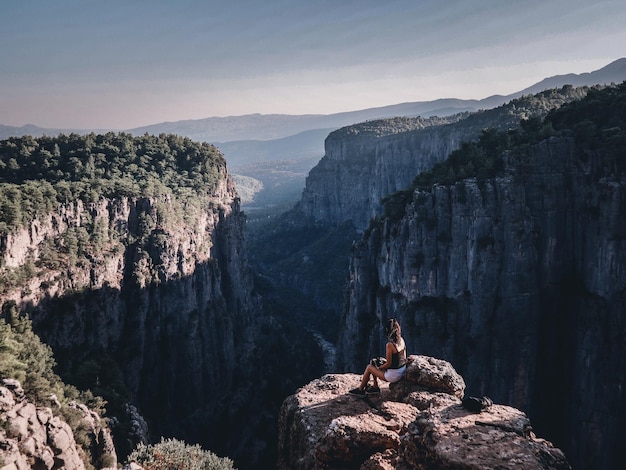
{"points": [[125, 63]]}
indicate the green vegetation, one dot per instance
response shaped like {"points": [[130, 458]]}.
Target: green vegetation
{"points": [[172, 454], [525, 108], [597, 123], [247, 187], [25, 358], [37, 175], [481, 159], [396, 125]]}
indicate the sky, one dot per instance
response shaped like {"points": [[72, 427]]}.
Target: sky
{"points": [[119, 64]]}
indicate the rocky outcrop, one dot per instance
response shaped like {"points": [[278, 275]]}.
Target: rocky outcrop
{"points": [[34, 437], [417, 423], [519, 282]]}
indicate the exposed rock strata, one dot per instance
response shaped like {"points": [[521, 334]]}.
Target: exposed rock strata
{"points": [[365, 162], [418, 423], [167, 296], [33, 437], [518, 281]]}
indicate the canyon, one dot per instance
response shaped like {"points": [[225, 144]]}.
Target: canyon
{"points": [[515, 278]]}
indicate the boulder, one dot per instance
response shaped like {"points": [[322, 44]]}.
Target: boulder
{"points": [[33, 437], [417, 423], [430, 374], [499, 437]]}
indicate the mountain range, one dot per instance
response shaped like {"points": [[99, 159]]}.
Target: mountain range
{"points": [[278, 150], [277, 126]]}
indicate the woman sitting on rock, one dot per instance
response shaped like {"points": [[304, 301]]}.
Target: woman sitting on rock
{"points": [[392, 368]]}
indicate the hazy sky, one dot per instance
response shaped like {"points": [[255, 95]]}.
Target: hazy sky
{"points": [[126, 63]]}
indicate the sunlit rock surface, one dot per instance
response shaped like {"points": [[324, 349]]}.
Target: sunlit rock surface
{"points": [[418, 423]]}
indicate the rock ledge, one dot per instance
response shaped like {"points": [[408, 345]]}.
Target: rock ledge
{"points": [[418, 423]]}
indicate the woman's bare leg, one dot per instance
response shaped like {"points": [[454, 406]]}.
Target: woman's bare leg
{"points": [[371, 371]]}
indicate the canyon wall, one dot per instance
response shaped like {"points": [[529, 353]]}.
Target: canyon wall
{"points": [[159, 291], [519, 282], [366, 162]]}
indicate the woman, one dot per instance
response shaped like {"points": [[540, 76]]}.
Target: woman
{"points": [[394, 367]]}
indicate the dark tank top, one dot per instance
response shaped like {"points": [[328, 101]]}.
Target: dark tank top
{"points": [[398, 359]]}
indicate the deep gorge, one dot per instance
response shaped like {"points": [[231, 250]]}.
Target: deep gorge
{"points": [[513, 273]]}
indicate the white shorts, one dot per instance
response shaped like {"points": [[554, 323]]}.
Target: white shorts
{"points": [[393, 375]]}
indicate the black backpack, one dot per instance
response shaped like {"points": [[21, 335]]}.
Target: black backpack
{"points": [[476, 405]]}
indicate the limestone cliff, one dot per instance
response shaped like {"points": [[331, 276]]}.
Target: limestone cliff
{"points": [[417, 423], [519, 282], [152, 293], [365, 162]]}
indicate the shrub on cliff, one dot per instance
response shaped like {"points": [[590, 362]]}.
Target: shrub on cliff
{"points": [[172, 454], [25, 358]]}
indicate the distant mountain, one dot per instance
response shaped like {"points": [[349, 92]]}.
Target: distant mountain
{"points": [[277, 126], [303, 144], [255, 143], [36, 131], [615, 72]]}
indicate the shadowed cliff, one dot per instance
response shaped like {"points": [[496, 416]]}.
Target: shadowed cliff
{"points": [[516, 275], [143, 290], [306, 251]]}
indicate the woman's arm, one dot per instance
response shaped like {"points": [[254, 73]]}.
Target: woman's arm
{"points": [[389, 350]]}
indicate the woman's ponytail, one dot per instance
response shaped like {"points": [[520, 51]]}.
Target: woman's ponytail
{"points": [[393, 330]]}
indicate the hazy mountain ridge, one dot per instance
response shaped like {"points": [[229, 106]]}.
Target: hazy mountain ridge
{"points": [[294, 142], [615, 72], [276, 126]]}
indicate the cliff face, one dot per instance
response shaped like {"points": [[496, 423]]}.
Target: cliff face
{"points": [[162, 292], [417, 423], [366, 162], [519, 282]]}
